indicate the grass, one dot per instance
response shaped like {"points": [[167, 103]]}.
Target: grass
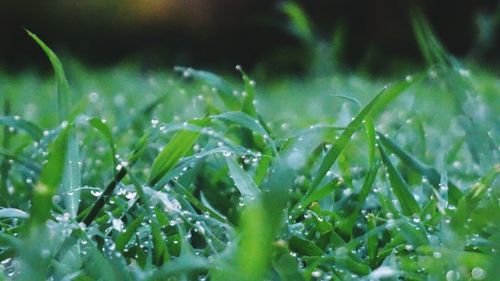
{"points": [[126, 175]]}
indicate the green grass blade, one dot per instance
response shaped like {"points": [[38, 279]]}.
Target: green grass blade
{"points": [[242, 180], [103, 128], [469, 203], [300, 23], [223, 88], [14, 122], [26, 162], [253, 256], [343, 139], [393, 91], [310, 197], [197, 203], [248, 122], [63, 90], [13, 213], [433, 176], [177, 147], [124, 238], [50, 177], [161, 254], [248, 105], [372, 140], [304, 247], [72, 178], [431, 48], [406, 200]]}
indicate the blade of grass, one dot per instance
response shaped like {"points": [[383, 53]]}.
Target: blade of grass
{"points": [[103, 128], [242, 180], [393, 91], [50, 177], [13, 213], [72, 178], [248, 105], [223, 88], [409, 205], [169, 156], [26, 162], [433, 176], [248, 122], [468, 204], [343, 139], [123, 238], [15, 122], [300, 23]]}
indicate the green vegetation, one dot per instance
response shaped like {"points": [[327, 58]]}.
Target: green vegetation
{"points": [[126, 175]]}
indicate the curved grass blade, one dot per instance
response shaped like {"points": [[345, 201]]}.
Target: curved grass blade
{"points": [[406, 200], [248, 122], [433, 176], [224, 89], [394, 90], [26, 162], [248, 105], [300, 23], [189, 162], [72, 177], [106, 132], [343, 139], [170, 155], [63, 90], [14, 122], [13, 213], [242, 180]]}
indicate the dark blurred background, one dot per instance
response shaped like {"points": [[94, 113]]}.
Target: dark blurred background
{"points": [[375, 35]]}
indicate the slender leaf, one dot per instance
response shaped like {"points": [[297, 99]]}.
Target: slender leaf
{"points": [[14, 122], [12, 213], [50, 177], [72, 178], [178, 147], [242, 180], [124, 237], [433, 176], [409, 205], [343, 139]]}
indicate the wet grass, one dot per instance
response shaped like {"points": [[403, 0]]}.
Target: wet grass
{"points": [[126, 175]]}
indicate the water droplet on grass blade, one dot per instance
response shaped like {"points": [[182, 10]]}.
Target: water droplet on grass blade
{"points": [[96, 193], [478, 273]]}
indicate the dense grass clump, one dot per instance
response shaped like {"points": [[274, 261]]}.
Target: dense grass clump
{"points": [[130, 176]]}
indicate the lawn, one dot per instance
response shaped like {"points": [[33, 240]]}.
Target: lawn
{"points": [[124, 174]]}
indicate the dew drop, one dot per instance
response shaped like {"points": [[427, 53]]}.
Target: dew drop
{"points": [[96, 193], [478, 273]]}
